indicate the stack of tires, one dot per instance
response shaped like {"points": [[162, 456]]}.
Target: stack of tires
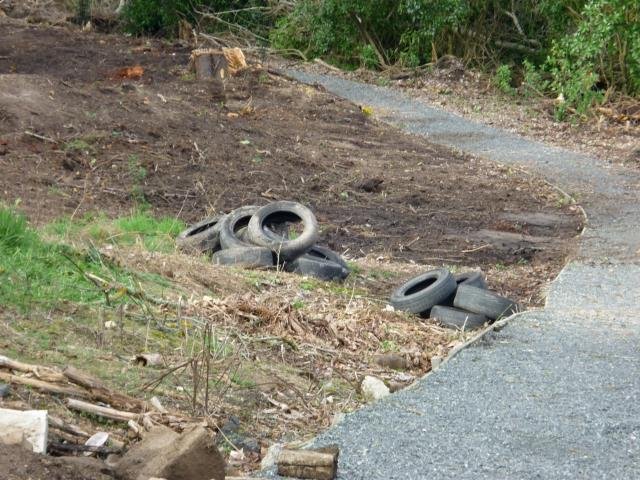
{"points": [[457, 301], [258, 237]]}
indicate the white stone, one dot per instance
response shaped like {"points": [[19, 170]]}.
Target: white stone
{"points": [[17, 426], [374, 389], [271, 457]]}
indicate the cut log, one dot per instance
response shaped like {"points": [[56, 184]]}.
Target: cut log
{"points": [[105, 412], [317, 464], [47, 374], [44, 386], [209, 64]]}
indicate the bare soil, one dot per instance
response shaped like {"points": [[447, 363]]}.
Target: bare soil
{"points": [[76, 137], [611, 133]]}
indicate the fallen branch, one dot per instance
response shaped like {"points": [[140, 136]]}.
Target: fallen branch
{"points": [[58, 423], [106, 412], [40, 137], [44, 386], [47, 374], [71, 447]]}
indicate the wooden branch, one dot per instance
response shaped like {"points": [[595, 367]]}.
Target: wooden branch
{"points": [[70, 447], [44, 386], [40, 137], [47, 374], [105, 412], [318, 464], [55, 422], [101, 392]]}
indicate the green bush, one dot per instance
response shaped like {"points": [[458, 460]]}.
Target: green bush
{"points": [[502, 79], [161, 17]]}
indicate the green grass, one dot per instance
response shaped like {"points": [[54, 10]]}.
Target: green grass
{"points": [[36, 273], [139, 228]]}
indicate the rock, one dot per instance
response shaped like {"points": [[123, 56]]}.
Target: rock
{"points": [[31, 426], [4, 390], [373, 388], [163, 453], [271, 457]]}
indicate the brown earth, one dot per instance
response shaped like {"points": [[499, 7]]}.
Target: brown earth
{"points": [[17, 463], [75, 137]]}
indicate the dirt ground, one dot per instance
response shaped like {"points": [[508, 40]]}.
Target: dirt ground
{"points": [[77, 137], [611, 133]]}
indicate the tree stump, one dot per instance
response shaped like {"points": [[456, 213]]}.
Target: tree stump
{"points": [[209, 64]]}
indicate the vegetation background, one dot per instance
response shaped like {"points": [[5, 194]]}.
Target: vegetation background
{"points": [[582, 52]]}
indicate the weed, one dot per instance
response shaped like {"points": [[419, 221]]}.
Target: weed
{"points": [[78, 145], [309, 285], [502, 79], [298, 304], [388, 346]]}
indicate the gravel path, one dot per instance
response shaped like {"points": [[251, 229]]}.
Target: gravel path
{"points": [[554, 394]]}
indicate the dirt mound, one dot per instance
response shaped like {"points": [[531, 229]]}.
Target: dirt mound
{"points": [[17, 463]]}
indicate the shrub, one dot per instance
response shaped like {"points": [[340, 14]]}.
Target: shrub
{"points": [[502, 79]]}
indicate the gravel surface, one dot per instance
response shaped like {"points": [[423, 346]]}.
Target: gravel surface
{"points": [[555, 393]]}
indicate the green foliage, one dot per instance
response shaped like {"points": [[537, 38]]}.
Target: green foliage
{"points": [[161, 17], [139, 228], [533, 82], [502, 79], [603, 51], [577, 48]]}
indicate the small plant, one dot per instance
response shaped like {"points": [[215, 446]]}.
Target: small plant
{"points": [[368, 57], [77, 145], [502, 79], [388, 346], [533, 83]]}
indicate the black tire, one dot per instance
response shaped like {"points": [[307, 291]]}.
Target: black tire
{"points": [[458, 319], [423, 292], [250, 257], [281, 212], [484, 302], [320, 254], [318, 267], [475, 279], [201, 237], [232, 226]]}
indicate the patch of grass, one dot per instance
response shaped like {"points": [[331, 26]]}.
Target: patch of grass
{"points": [[78, 145], [35, 273], [388, 346], [139, 228]]}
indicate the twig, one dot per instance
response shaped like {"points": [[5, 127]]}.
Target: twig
{"points": [[40, 137], [481, 247]]}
